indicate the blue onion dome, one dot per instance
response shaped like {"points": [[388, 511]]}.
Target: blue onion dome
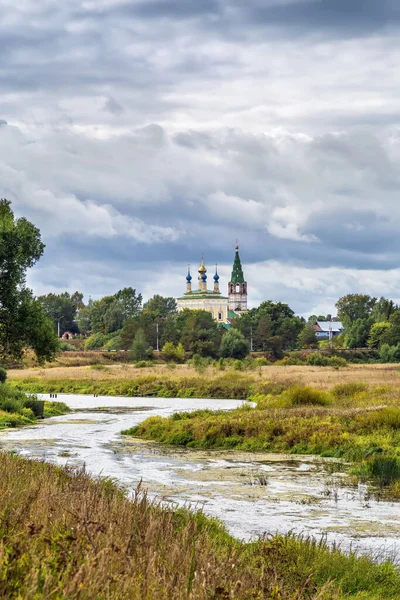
{"points": [[188, 278], [216, 277], [204, 277]]}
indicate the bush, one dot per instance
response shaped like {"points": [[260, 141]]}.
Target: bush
{"points": [[174, 353], [65, 347], [337, 362], [316, 359], [305, 395], [347, 390], [390, 354], [142, 364], [95, 341], [289, 361], [3, 375], [262, 362]]}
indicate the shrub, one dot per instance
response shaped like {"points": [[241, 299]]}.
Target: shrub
{"points": [[142, 364], [3, 375], [347, 390], [390, 354], [305, 395], [65, 347], [316, 359], [337, 362], [288, 361], [174, 353], [95, 341], [262, 362]]}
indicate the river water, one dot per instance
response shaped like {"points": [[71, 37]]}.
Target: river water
{"points": [[252, 493]]}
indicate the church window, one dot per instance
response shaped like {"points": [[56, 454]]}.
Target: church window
{"points": [[220, 316], [237, 287]]}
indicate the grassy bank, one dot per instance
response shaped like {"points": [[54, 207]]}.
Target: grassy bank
{"points": [[184, 379], [352, 422], [18, 408], [66, 536]]}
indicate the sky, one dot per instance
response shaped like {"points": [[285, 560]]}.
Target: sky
{"points": [[139, 134]]}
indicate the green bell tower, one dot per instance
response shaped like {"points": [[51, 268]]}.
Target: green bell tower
{"points": [[237, 287]]}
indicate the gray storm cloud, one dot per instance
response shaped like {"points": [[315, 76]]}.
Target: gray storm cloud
{"points": [[139, 134]]}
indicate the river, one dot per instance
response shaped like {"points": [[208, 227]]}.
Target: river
{"points": [[252, 493]]}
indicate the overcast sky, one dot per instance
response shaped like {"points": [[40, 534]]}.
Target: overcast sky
{"points": [[138, 134]]}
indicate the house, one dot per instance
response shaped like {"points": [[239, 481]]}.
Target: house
{"points": [[325, 330]]}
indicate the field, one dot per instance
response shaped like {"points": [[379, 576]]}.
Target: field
{"points": [[321, 377], [64, 535]]}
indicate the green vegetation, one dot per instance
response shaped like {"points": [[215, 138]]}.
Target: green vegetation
{"points": [[226, 385], [99, 544], [351, 422], [18, 408], [22, 317]]}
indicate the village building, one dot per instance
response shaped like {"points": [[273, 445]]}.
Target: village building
{"points": [[223, 308], [326, 330]]}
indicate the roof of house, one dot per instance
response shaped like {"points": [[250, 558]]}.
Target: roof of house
{"points": [[330, 326]]}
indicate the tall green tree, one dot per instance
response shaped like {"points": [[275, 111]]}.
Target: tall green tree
{"points": [[353, 307], [61, 309], [307, 337], [200, 334], [234, 345], [23, 322], [358, 333]]}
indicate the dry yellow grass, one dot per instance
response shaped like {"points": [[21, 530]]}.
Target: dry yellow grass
{"points": [[321, 377]]}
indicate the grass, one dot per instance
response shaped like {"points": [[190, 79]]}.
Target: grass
{"points": [[324, 378], [18, 409], [357, 424], [63, 535]]}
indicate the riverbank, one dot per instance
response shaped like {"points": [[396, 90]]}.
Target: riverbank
{"points": [[353, 422], [18, 408], [97, 543], [185, 381]]}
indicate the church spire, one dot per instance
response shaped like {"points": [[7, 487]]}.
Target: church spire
{"points": [[237, 271]]}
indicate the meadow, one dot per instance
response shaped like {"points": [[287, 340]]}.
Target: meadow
{"points": [[185, 380], [64, 535]]}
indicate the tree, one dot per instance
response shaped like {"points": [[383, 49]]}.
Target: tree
{"points": [[234, 345], [77, 300], [353, 307], [263, 332], [358, 333], [392, 334], [377, 333], [128, 333], [307, 337], [61, 310], [175, 353], [160, 307], [139, 346], [383, 310], [23, 322], [199, 333]]}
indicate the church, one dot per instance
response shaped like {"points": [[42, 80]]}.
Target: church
{"points": [[223, 308]]}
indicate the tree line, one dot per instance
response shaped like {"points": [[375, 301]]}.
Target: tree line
{"points": [[123, 322]]}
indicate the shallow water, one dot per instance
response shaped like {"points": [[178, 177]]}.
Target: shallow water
{"points": [[305, 495]]}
